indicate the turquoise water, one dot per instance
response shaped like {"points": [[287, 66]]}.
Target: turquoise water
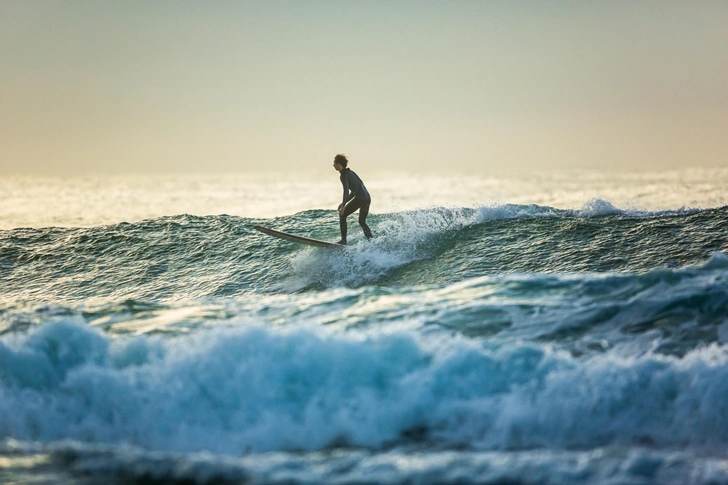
{"points": [[496, 343]]}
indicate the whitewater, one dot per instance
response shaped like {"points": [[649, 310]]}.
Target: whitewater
{"points": [[549, 329]]}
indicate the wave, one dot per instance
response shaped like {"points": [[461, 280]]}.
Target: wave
{"points": [[188, 257], [245, 389], [666, 311]]}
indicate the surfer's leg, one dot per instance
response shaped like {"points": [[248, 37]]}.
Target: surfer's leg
{"points": [[348, 210], [363, 212], [342, 226]]}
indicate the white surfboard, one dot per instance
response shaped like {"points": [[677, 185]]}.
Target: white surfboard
{"points": [[297, 239]]}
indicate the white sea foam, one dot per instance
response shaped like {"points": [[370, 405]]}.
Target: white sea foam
{"points": [[598, 207], [243, 389], [399, 240], [487, 213]]}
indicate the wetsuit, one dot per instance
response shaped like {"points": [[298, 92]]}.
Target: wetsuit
{"points": [[356, 197]]}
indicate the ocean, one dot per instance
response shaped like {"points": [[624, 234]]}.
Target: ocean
{"points": [[567, 328]]}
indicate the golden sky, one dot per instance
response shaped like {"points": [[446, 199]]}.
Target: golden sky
{"points": [[132, 86]]}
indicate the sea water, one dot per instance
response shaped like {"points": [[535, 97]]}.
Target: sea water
{"points": [[551, 328]]}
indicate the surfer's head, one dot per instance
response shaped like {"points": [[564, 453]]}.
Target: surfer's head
{"points": [[341, 161]]}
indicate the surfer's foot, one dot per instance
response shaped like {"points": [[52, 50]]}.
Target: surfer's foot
{"points": [[342, 242]]}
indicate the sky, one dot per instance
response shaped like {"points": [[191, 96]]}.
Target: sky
{"points": [[97, 87]]}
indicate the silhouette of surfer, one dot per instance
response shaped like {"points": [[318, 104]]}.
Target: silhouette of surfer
{"points": [[356, 197]]}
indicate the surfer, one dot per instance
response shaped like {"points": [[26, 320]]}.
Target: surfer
{"points": [[355, 197]]}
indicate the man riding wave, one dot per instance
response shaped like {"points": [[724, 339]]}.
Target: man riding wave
{"points": [[355, 197]]}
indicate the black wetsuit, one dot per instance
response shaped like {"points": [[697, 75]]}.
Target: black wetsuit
{"points": [[356, 197]]}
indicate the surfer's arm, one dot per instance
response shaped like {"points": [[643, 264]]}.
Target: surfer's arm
{"points": [[347, 195]]}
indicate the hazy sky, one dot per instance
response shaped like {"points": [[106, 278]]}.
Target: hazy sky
{"points": [[132, 86]]}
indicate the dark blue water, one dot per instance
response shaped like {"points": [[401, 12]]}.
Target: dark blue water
{"points": [[509, 344]]}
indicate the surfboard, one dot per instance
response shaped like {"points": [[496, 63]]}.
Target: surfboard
{"points": [[297, 239]]}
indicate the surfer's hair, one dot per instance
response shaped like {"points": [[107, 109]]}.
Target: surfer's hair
{"points": [[341, 160]]}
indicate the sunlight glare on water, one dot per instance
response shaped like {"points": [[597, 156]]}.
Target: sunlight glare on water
{"points": [[28, 201]]}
